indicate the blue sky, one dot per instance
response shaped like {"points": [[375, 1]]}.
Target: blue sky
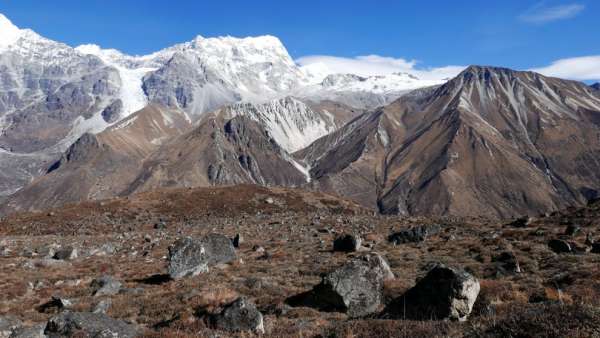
{"points": [[513, 33]]}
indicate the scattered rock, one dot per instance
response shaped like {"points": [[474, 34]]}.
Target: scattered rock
{"points": [[521, 222], [66, 253], [413, 235], [507, 262], [559, 246], [572, 230], [269, 200], [190, 256], [347, 243], [160, 225], [258, 249], [88, 324], [241, 315], [589, 239], [105, 286], [444, 293], [55, 304], [356, 288]]}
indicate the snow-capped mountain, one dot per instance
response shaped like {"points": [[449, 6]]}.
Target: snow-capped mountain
{"points": [[359, 91], [51, 93]]}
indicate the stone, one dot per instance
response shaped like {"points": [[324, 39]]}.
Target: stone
{"points": [[355, 288], [105, 286], [102, 306], [444, 293], [347, 243], [66, 253], [8, 324], [239, 316], [507, 262], [190, 257], [35, 331], [520, 222], [559, 246], [414, 234], [88, 324], [269, 200], [595, 248], [572, 230]]}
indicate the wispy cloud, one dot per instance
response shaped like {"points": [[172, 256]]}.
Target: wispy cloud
{"points": [[577, 68], [540, 13], [369, 65]]}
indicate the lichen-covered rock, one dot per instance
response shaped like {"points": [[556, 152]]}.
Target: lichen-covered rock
{"points": [[355, 288], [241, 315], [190, 257], [413, 235], [88, 324], [444, 293]]}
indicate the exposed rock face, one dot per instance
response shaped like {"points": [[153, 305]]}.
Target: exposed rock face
{"points": [[355, 288], [190, 257], [347, 243], [89, 324], [241, 315], [490, 142], [102, 165], [444, 293], [220, 152]]}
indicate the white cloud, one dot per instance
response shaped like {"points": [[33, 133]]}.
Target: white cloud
{"points": [[541, 14], [578, 68], [370, 65]]}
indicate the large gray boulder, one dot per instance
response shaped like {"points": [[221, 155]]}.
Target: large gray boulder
{"points": [[355, 288], [241, 315], [88, 324], [444, 293], [7, 325], [190, 257]]}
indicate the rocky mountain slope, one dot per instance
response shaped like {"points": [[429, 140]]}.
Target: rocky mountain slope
{"points": [[51, 94], [491, 142], [102, 165]]}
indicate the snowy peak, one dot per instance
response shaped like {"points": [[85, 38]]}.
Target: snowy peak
{"points": [[596, 86], [10, 32]]}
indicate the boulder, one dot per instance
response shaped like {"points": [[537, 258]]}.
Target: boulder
{"points": [[7, 325], [241, 315], [55, 304], [355, 288], [347, 243], [35, 331], [572, 230], [414, 234], [88, 324], [102, 306], [560, 246], [444, 293], [66, 253], [507, 262], [105, 286], [595, 248], [190, 257]]}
